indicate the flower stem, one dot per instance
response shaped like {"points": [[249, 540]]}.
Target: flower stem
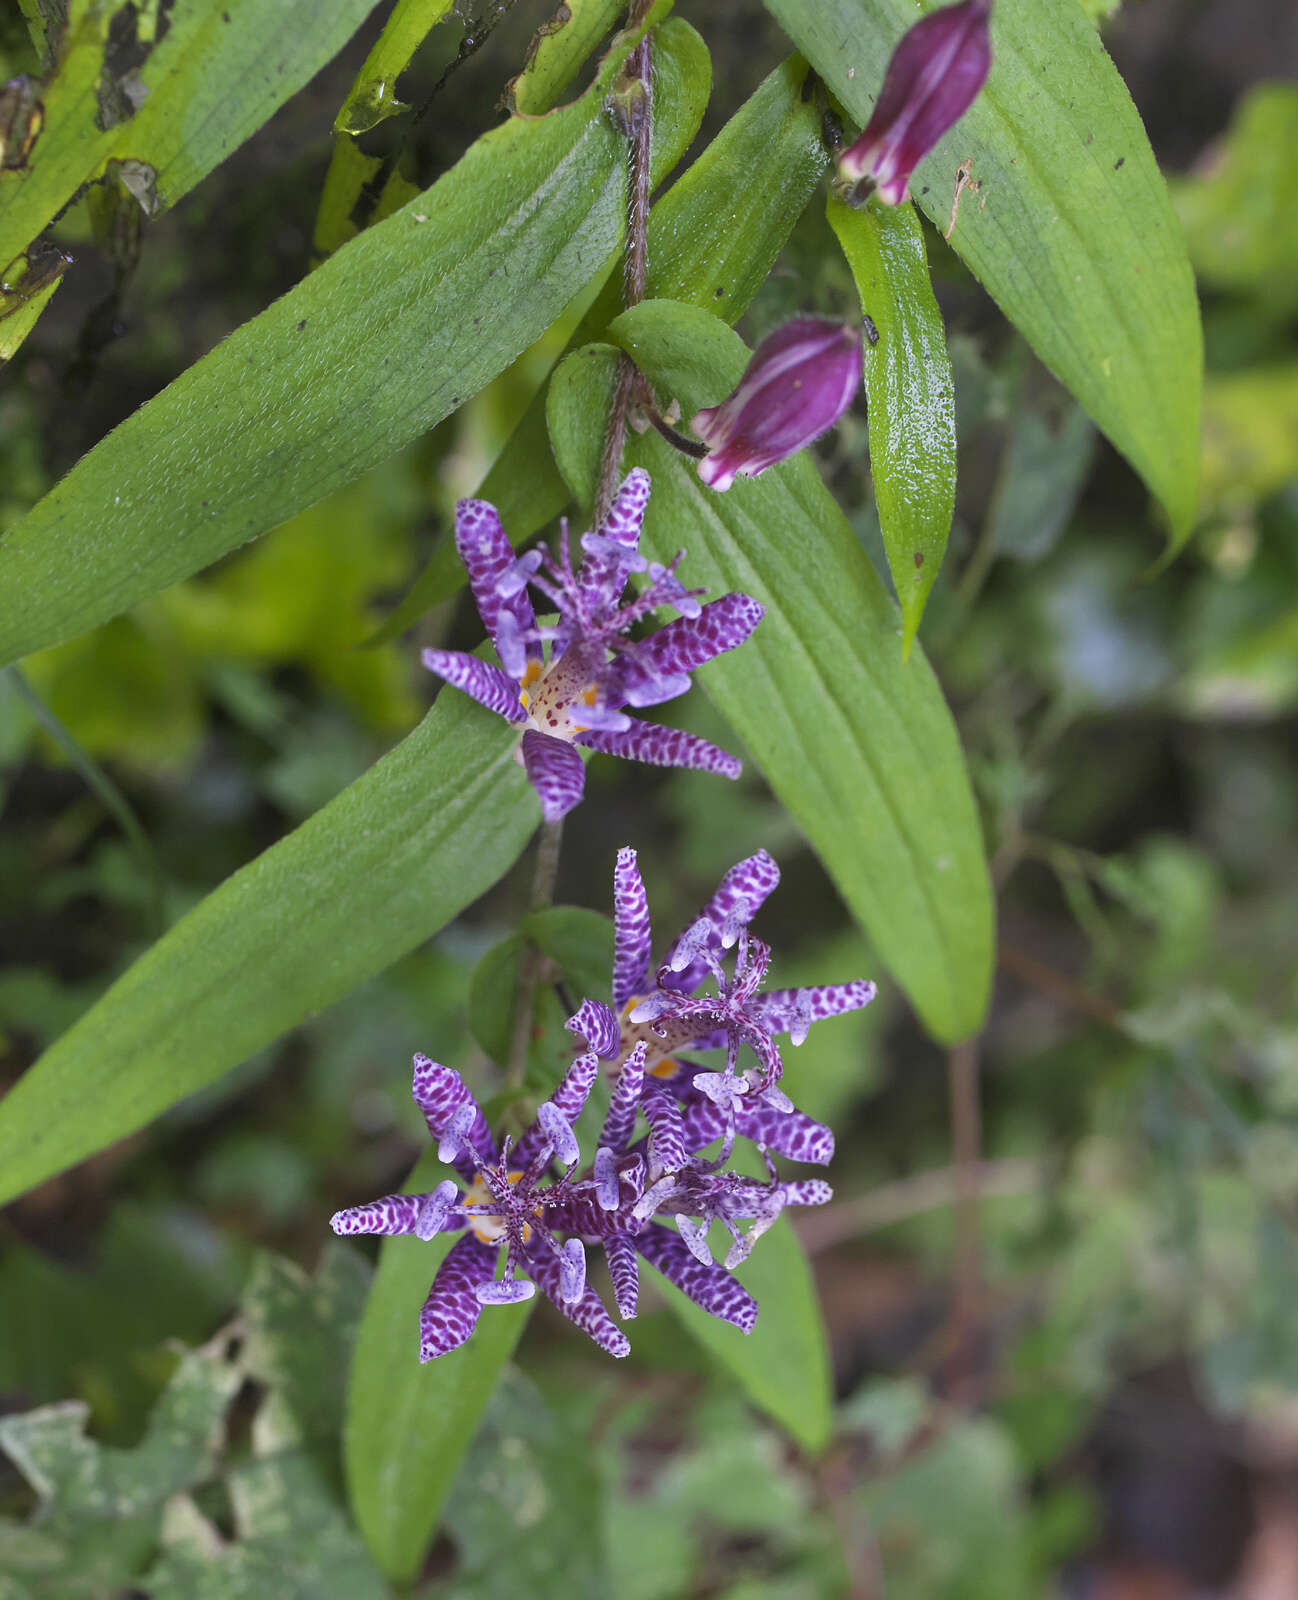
{"points": [[636, 113], [546, 871]]}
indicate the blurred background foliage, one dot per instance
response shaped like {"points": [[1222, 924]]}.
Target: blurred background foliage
{"points": [[1121, 1420]]}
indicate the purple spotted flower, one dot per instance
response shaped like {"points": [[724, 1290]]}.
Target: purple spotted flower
{"points": [[526, 1199], [932, 79], [800, 381], [575, 693], [663, 1011]]}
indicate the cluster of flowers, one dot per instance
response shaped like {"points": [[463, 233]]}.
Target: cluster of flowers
{"points": [[566, 682], [534, 1200]]}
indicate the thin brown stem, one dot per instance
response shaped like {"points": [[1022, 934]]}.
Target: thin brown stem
{"points": [[548, 844], [966, 1143], [633, 106]]}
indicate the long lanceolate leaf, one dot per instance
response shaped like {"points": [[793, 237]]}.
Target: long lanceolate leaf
{"points": [[379, 869], [857, 744], [220, 70], [911, 397], [380, 343], [1070, 228]]}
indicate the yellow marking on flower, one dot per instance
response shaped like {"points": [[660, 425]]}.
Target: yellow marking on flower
{"points": [[668, 1067], [491, 1230], [531, 672], [589, 694]]}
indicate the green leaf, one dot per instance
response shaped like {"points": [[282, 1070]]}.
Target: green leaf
{"points": [[713, 238], [221, 70], [409, 1425], [783, 1365], [291, 1541], [25, 293], [1240, 223], [381, 342], [99, 1508], [382, 867], [530, 1480], [1070, 231], [373, 98], [558, 50], [300, 1336], [580, 944], [858, 745], [911, 398]]}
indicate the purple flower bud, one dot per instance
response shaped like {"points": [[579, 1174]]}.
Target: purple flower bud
{"points": [[800, 381], [933, 78]]}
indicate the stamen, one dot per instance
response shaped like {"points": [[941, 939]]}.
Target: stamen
{"points": [[607, 1188], [435, 1210], [572, 1270], [504, 1291], [695, 1235], [558, 1130]]}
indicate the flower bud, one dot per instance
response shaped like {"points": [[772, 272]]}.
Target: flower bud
{"points": [[933, 78], [800, 381]]}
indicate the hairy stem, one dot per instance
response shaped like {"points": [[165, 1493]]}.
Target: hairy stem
{"points": [[635, 111]]}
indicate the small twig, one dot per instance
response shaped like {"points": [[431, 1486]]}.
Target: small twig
{"points": [[548, 845], [678, 441], [966, 1142], [892, 1203], [1057, 985]]}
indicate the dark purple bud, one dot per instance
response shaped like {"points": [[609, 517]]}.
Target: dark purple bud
{"points": [[932, 80], [800, 381]]}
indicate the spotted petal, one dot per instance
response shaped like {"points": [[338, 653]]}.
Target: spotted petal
{"points": [[603, 576], [785, 1010], [625, 1273], [663, 747], [555, 771], [666, 1135], [632, 946], [710, 1287], [597, 1025], [657, 668], [394, 1213], [482, 682], [569, 1100], [588, 1313], [440, 1092], [487, 555], [451, 1311], [624, 1101], [787, 1133]]}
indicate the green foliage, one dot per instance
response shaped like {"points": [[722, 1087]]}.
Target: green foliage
{"points": [[407, 1425], [382, 867], [1238, 216], [558, 52], [782, 1366], [369, 351], [846, 734], [220, 71], [911, 399], [1070, 229]]}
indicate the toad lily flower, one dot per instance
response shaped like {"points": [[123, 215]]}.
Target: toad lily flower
{"points": [[665, 1015], [512, 1198], [576, 695], [800, 381], [933, 78]]}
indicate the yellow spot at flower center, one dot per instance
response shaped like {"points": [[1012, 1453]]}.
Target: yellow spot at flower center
{"points": [[657, 1063], [491, 1230]]}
